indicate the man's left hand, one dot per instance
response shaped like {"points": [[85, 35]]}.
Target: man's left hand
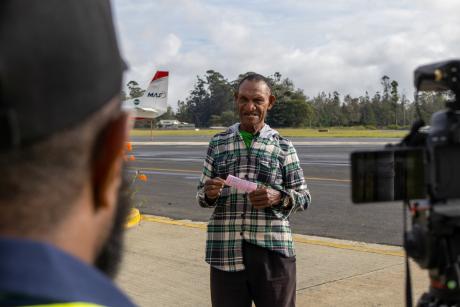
{"points": [[264, 198]]}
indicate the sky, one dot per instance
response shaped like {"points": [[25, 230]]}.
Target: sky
{"points": [[333, 45]]}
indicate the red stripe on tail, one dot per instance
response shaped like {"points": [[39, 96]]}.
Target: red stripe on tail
{"points": [[160, 74]]}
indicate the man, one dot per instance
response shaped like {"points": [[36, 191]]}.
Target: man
{"points": [[62, 131], [249, 245]]}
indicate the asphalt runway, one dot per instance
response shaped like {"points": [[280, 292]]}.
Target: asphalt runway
{"points": [[174, 171]]}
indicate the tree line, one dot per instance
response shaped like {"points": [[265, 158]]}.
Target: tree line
{"points": [[211, 103]]}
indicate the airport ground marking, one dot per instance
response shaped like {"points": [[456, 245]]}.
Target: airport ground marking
{"points": [[199, 172], [166, 220], [357, 246], [295, 143], [165, 169]]}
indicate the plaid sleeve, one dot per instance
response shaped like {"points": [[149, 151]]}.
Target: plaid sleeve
{"points": [[294, 183], [208, 173]]}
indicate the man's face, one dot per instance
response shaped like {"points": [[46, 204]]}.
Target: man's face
{"points": [[253, 100]]}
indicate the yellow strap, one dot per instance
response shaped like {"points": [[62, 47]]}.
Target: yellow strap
{"points": [[73, 304]]}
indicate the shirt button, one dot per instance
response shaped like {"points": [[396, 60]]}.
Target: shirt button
{"points": [[242, 214], [241, 233], [246, 176]]}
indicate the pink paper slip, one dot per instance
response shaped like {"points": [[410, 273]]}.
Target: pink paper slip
{"points": [[240, 184]]}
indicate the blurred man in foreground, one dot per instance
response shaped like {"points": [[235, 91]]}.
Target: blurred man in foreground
{"points": [[62, 197]]}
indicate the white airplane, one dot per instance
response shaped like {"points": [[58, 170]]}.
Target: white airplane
{"points": [[154, 103]]}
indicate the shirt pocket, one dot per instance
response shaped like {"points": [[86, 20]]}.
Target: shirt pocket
{"points": [[268, 170], [225, 166]]}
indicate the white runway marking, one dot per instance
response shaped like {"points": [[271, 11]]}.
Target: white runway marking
{"points": [[299, 143]]}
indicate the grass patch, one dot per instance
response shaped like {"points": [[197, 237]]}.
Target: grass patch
{"points": [[287, 132], [342, 133], [146, 132]]}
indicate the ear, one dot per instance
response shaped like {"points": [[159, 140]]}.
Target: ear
{"points": [[108, 161], [271, 102]]}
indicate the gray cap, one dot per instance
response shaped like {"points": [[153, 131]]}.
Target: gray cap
{"points": [[59, 63]]}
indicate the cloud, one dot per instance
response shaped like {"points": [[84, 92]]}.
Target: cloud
{"points": [[338, 45]]}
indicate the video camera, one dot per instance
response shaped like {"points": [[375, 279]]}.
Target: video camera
{"points": [[423, 170]]}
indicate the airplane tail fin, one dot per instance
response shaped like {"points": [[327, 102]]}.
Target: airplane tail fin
{"points": [[155, 98]]}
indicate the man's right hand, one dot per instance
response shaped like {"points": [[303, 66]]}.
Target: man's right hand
{"points": [[213, 187]]}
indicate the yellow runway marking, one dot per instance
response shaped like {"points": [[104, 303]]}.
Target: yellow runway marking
{"points": [[165, 220], [165, 169], [359, 247]]}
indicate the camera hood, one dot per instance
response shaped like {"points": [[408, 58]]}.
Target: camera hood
{"points": [[438, 77]]}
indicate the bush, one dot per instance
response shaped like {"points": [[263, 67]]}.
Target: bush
{"points": [[394, 127], [370, 127], [359, 127]]}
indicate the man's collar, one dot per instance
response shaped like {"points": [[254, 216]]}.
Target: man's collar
{"points": [[40, 270], [266, 132]]}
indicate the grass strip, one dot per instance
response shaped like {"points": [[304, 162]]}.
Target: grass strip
{"points": [[287, 132]]}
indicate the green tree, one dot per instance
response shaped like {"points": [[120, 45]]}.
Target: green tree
{"points": [[169, 114], [211, 102], [215, 120], [328, 109], [385, 81], [405, 106], [383, 107], [378, 107], [212, 95], [228, 118], [429, 103], [291, 108], [221, 97], [394, 99], [367, 113], [183, 113], [197, 103], [300, 113], [351, 111]]}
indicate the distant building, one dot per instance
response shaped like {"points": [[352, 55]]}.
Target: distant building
{"points": [[184, 125], [174, 124], [168, 124]]}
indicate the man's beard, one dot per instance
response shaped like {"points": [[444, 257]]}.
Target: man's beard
{"points": [[109, 258]]}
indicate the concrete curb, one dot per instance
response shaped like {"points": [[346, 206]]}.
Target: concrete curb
{"points": [[133, 219]]}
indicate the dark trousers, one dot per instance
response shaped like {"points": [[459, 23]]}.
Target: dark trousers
{"points": [[269, 280]]}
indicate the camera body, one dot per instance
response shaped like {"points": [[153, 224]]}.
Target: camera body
{"points": [[442, 143], [423, 170], [443, 151]]}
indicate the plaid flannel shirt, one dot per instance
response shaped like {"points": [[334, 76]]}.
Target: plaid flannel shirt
{"points": [[272, 162]]}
